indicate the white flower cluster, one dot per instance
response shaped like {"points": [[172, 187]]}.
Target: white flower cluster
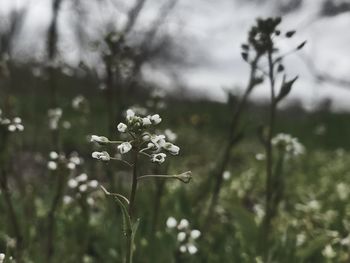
{"points": [[11, 125], [290, 145], [70, 162], [137, 127], [2, 257], [82, 185], [185, 236], [54, 117]]}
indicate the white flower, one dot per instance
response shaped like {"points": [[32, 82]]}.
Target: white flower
{"points": [[156, 119], [122, 127], [93, 183], [2, 257], [260, 156], [173, 149], [83, 188], [124, 147], [54, 117], [146, 121], [53, 155], [72, 183], [130, 114], [158, 141], [226, 175], [183, 224], [67, 125], [75, 159], [328, 252], [103, 156], [192, 249], [71, 165], [77, 101], [170, 135], [99, 139], [195, 233], [183, 249], [171, 222], [158, 158], [343, 191], [181, 236], [82, 177], [66, 200], [90, 201], [51, 165]]}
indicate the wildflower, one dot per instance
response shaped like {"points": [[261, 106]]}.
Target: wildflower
{"points": [[53, 155], [158, 158], [51, 165], [82, 177], [183, 224], [226, 175], [328, 252], [183, 249], [343, 191], [171, 222], [289, 144], [195, 234], [130, 114], [66, 200], [192, 249], [71, 166], [99, 139], [83, 188], [90, 201], [146, 121], [103, 156], [122, 127], [2, 257], [173, 149], [67, 125], [124, 147], [16, 125], [181, 236], [158, 141], [93, 183], [78, 101], [156, 119], [72, 183], [54, 117], [170, 135]]}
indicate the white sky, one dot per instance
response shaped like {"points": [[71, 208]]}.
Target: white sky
{"points": [[217, 29]]}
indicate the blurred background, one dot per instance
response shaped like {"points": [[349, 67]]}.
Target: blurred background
{"points": [[71, 68]]}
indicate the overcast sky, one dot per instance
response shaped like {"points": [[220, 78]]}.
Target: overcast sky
{"points": [[212, 31]]}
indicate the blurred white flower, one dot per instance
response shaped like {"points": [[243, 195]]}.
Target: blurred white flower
{"points": [[67, 199], [103, 156], [171, 222], [51, 165], [78, 101], [71, 165], [158, 158], [195, 233], [2, 257], [72, 183], [53, 155], [181, 236], [54, 117], [93, 183], [183, 249], [82, 178], [328, 252], [226, 175], [90, 201], [291, 145], [343, 191], [192, 249], [170, 135], [260, 156], [83, 188], [124, 147], [183, 224], [122, 127], [66, 125]]}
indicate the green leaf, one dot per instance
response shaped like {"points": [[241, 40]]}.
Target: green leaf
{"points": [[285, 89], [246, 226], [127, 226]]}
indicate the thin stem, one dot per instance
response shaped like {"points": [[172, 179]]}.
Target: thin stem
{"points": [[269, 158], [122, 161], [134, 184]]}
